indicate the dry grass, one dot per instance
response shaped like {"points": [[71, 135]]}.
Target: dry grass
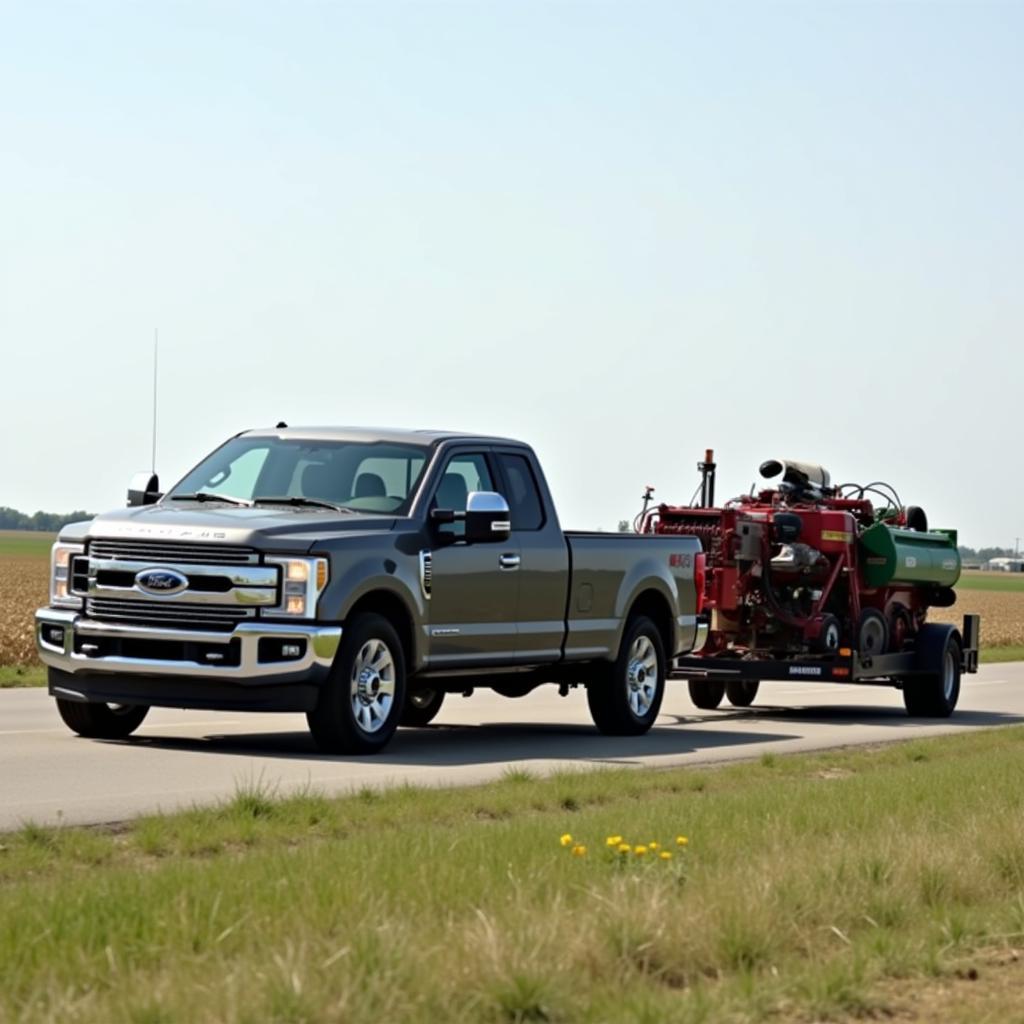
{"points": [[1002, 615], [23, 589]]}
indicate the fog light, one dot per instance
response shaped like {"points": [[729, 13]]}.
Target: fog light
{"points": [[290, 650], [53, 635]]}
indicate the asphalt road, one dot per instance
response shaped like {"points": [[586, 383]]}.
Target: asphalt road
{"points": [[179, 758]]}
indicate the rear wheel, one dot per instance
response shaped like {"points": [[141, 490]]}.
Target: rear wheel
{"points": [[935, 695], [362, 698], [421, 707], [101, 721], [705, 693], [626, 701], [741, 692]]}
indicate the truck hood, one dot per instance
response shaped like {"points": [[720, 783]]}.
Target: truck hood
{"points": [[264, 528]]}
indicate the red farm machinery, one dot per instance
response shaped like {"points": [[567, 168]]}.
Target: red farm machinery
{"points": [[808, 581]]}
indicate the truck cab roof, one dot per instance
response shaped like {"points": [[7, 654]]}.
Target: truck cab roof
{"points": [[388, 435]]}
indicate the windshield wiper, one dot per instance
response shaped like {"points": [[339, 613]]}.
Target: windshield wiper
{"points": [[204, 496], [294, 499]]}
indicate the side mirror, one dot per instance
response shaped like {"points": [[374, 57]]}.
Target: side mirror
{"points": [[144, 490], [487, 518]]}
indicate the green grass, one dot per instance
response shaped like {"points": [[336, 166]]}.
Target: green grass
{"points": [[995, 581], [26, 542], [1011, 652], [808, 884], [22, 675]]}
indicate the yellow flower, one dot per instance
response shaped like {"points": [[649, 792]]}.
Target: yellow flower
{"points": [[613, 841], [665, 855], [681, 840], [566, 840], [640, 850], [579, 850], [653, 846], [624, 847]]}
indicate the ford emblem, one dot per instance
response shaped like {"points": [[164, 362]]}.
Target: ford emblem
{"points": [[161, 581]]}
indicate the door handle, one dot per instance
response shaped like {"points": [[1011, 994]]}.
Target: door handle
{"points": [[509, 562]]}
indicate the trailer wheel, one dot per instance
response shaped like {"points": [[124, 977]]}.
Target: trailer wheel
{"points": [[101, 721], [741, 692], [421, 707], [872, 632], [705, 693], [935, 695], [361, 700], [626, 700]]}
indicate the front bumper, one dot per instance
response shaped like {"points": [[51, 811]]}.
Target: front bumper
{"points": [[249, 656]]}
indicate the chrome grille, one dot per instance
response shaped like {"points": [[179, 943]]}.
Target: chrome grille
{"points": [[167, 614], [173, 551]]}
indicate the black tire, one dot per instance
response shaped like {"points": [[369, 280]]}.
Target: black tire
{"points": [[872, 633], [421, 707], [101, 721], [741, 692], [361, 700], [830, 638], [626, 700], [706, 694], [935, 695]]}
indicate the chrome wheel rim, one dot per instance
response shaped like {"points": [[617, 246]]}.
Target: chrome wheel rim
{"points": [[642, 676], [373, 685], [948, 676], [422, 698]]}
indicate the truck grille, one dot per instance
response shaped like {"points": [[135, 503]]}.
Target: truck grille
{"points": [[167, 615], [173, 551]]}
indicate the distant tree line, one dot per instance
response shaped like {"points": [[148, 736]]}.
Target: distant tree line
{"points": [[44, 522], [984, 554]]}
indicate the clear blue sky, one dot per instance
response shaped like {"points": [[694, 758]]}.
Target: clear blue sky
{"points": [[624, 232]]}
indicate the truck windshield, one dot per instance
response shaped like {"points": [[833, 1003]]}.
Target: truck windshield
{"points": [[358, 476]]}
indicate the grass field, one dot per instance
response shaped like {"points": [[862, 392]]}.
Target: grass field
{"points": [[821, 887], [999, 582]]}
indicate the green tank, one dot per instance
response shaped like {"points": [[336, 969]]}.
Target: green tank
{"points": [[890, 556]]}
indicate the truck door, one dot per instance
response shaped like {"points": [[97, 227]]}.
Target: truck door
{"points": [[543, 563], [474, 592]]}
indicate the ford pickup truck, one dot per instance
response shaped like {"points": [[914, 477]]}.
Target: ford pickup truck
{"points": [[358, 576]]}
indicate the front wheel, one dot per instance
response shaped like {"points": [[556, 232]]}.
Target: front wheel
{"points": [[421, 707], [362, 698], [101, 721], [626, 701]]}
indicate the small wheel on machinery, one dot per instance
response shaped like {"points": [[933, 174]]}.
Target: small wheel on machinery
{"points": [[741, 692], [706, 694], [626, 698], [362, 698], [421, 707]]}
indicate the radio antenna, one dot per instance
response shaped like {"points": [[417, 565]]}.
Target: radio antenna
{"points": [[156, 354]]}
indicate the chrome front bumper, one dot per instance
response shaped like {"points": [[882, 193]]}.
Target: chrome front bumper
{"points": [[64, 649]]}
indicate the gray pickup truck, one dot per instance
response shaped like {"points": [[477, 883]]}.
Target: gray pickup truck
{"points": [[358, 577]]}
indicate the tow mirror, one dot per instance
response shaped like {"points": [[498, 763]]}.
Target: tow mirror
{"points": [[144, 490], [487, 518]]}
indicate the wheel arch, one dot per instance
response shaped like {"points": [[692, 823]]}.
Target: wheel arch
{"points": [[390, 606], [653, 604]]}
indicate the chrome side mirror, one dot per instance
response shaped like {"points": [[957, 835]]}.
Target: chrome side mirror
{"points": [[487, 518], [144, 490]]}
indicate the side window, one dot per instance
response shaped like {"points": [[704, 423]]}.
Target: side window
{"points": [[523, 496], [463, 474]]}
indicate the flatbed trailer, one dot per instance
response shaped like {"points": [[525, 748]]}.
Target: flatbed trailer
{"points": [[929, 675]]}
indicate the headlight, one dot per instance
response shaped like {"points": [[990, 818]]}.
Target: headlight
{"points": [[302, 582], [61, 558]]}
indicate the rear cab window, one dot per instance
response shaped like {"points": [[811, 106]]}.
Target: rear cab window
{"points": [[523, 497]]}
